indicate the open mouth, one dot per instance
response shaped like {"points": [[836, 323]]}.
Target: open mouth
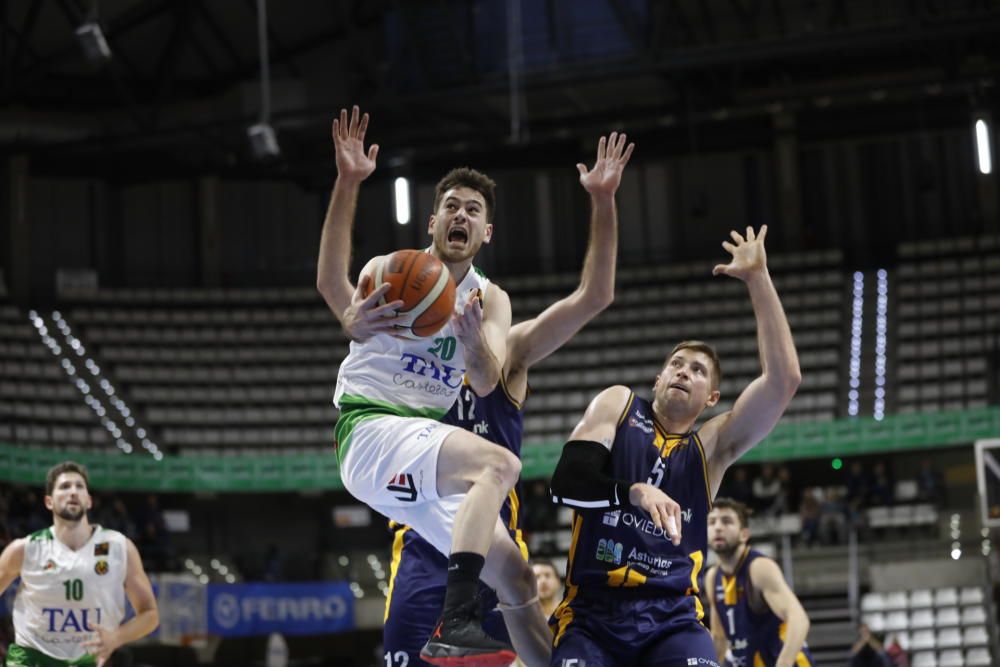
{"points": [[458, 235], [680, 387]]}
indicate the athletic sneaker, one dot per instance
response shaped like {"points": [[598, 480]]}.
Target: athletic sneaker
{"points": [[459, 641]]}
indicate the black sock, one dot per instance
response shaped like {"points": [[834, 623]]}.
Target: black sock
{"points": [[464, 568]]}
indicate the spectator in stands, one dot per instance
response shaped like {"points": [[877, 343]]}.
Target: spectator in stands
{"points": [[549, 584], [868, 651], [832, 518], [115, 516], [930, 488], [809, 514], [783, 502], [766, 488], [857, 483], [153, 540], [738, 487], [882, 491], [898, 656], [273, 564]]}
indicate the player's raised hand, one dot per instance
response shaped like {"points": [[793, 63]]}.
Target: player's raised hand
{"points": [[748, 255], [102, 644], [469, 322], [349, 145], [606, 174], [364, 317], [665, 513]]}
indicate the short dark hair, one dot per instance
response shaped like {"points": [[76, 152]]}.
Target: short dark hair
{"points": [[700, 346], [468, 178], [545, 562], [741, 510], [58, 469]]}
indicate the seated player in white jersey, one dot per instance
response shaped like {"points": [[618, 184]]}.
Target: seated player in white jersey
{"points": [[75, 576], [637, 471], [395, 455]]}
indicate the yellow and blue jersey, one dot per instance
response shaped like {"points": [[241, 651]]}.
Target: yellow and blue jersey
{"points": [[418, 575], [756, 635], [620, 553]]}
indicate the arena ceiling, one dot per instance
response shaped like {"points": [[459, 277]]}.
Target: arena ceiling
{"points": [[182, 84]]}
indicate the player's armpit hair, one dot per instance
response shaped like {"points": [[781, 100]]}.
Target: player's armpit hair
{"points": [[579, 480]]}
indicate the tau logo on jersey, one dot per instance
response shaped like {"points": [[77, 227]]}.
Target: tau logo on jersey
{"points": [[417, 365], [101, 567], [66, 620], [644, 425], [403, 488], [102, 548], [740, 644], [612, 518], [49, 565], [609, 551]]}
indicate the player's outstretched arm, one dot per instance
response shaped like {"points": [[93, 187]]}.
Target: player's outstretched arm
{"points": [[579, 480], [482, 327], [767, 578], [533, 340], [756, 411], [11, 560], [718, 632], [354, 165], [147, 616]]}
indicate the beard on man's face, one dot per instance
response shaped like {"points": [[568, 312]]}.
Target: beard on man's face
{"points": [[727, 549], [71, 513]]}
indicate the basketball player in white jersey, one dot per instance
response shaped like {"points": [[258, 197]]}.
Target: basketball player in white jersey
{"points": [[69, 607], [444, 481]]}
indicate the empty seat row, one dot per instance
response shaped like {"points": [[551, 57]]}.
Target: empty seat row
{"points": [[926, 618], [922, 597], [976, 657], [901, 516], [976, 635]]}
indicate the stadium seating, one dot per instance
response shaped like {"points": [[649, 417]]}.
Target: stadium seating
{"points": [[948, 304], [241, 370], [940, 627]]}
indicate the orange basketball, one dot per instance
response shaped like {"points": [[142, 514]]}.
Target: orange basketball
{"points": [[424, 285]]}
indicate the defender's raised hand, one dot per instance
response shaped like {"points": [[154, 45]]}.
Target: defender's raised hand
{"points": [[748, 255], [606, 174], [349, 145]]}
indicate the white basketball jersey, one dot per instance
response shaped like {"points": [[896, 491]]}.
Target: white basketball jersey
{"points": [[65, 594], [408, 377]]}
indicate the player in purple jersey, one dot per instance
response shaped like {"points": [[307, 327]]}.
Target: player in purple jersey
{"points": [[756, 617], [636, 472], [418, 570]]}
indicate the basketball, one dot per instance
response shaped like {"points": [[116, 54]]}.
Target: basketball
{"points": [[424, 285]]}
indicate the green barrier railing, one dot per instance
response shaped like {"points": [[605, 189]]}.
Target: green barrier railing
{"points": [[317, 472]]}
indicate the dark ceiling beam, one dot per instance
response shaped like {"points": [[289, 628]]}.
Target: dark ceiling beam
{"points": [[133, 17], [279, 57], [748, 16], [630, 25], [166, 68], [277, 42], [30, 21], [203, 52], [220, 35]]}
